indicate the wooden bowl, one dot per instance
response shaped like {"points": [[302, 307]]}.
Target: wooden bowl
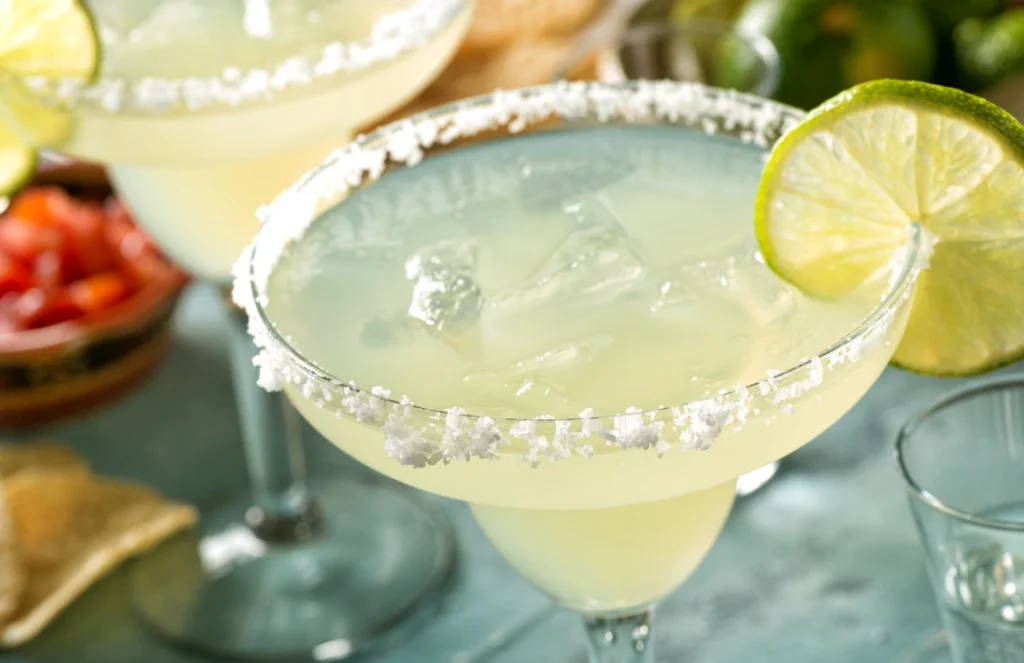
{"points": [[54, 373]]}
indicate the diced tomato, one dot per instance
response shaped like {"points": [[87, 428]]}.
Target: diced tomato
{"points": [[9, 321], [14, 277], [146, 269], [99, 291], [89, 250], [117, 210], [48, 271], [36, 308], [135, 245], [41, 205], [116, 228], [61, 258], [128, 241], [24, 240]]}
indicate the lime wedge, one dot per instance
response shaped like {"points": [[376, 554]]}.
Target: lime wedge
{"points": [[840, 190], [52, 39], [17, 163]]}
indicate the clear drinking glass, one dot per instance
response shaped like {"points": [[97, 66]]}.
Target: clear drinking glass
{"points": [[962, 461], [584, 519], [681, 51], [699, 51], [200, 111]]}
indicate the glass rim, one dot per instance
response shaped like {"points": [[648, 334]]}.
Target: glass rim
{"points": [[906, 434], [645, 30], [898, 289], [391, 36]]}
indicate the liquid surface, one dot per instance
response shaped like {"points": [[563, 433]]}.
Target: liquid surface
{"points": [[542, 275], [178, 39]]}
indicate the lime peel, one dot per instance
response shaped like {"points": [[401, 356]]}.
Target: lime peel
{"points": [[841, 189], [49, 39]]}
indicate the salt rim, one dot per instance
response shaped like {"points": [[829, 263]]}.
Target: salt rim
{"points": [[392, 35], [416, 436]]}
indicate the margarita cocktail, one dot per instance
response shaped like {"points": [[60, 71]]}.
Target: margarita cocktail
{"points": [[201, 110], [571, 329]]}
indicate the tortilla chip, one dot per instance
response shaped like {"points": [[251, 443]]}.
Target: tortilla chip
{"points": [[522, 64], [16, 458], [12, 572], [38, 456], [72, 529], [497, 22]]}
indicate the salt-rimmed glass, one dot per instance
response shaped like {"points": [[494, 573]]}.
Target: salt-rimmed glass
{"points": [[526, 506], [679, 51], [201, 110]]}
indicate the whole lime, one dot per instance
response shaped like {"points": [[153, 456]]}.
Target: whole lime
{"points": [[724, 10], [947, 14], [826, 46], [989, 50]]}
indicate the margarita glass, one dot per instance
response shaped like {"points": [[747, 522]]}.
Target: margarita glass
{"points": [[693, 51], [198, 110], [534, 324]]}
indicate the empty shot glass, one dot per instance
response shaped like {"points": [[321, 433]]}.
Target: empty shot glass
{"points": [[963, 463]]}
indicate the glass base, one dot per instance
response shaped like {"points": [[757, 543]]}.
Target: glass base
{"points": [[936, 650], [363, 577]]}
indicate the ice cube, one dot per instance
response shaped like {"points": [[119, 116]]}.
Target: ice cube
{"points": [[548, 185], [595, 264], [445, 295], [116, 19], [532, 385], [501, 395], [446, 300], [459, 255], [387, 331], [742, 278], [560, 357], [151, 21]]}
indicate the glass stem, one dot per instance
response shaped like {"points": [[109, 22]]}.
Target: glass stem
{"points": [[282, 509], [621, 638]]}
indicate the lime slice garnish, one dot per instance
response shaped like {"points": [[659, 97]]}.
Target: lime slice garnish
{"points": [[841, 189], [52, 39], [17, 163]]}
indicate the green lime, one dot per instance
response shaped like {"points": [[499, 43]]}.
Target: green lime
{"points": [[989, 50], [826, 46], [17, 162], [723, 10], [841, 189], [947, 14], [51, 39]]}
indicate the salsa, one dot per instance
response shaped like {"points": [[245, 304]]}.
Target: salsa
{"points": [[64, 259]]}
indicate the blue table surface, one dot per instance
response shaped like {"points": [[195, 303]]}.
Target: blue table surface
{"points": [[822, 565]]}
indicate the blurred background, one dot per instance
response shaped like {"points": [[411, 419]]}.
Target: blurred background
{"points": [[824, 46]]}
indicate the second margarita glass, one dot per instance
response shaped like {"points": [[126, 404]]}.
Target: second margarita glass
{"points": [[200, 110]]}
